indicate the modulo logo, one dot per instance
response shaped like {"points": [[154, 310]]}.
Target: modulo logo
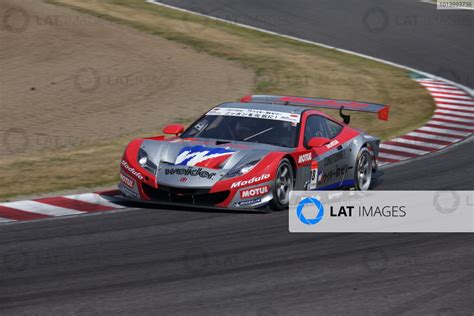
{"points": [[310, 202]]}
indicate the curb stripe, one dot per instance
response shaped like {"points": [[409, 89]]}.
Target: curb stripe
{"points": [[94, 198], [457, 103], [6, 220], [397, 153], [433, 137], [417, 142], [440, 125], [439, 86], [454, 118], [428, 132], [433, 81], [426, 141], [74, 204], [15, 214], [457, 108], [455, 114], [458, 92], [450, 96], [449, 123], [443, 130], [454, 101], [40, 208], [410, 145], [404, 149]]}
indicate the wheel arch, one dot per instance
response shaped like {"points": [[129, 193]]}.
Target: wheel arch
{"points": [[293, 164]]}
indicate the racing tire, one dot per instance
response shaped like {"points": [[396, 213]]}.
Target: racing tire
{"points": [[363, 170], [282, 186]]}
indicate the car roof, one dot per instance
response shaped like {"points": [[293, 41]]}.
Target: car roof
{"points": [[265, 106]]}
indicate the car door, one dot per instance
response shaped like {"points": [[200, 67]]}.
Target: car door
{"points": [[332, 157]]}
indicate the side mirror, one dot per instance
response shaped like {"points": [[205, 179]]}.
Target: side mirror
{"points": [[318, 141], [173, 129]]}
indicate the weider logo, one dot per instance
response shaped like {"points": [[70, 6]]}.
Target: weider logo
{"points": [[190, 172], [253, 180], [132, 170], [258, 191]]}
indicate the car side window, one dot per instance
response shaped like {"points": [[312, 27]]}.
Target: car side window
{"points": [[334, 128], [316, 126]]}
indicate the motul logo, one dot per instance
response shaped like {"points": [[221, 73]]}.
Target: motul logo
{"points": [[304, 158], [127, 181], [254, 192], [246, 182]]}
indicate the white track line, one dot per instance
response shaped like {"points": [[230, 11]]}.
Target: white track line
{"points": [[93, 198], [443, 130], [6, 220], [431, 76], [455, 101], [447, 125], [464, 114], [449, 96], [460, 92], [416, 142], [405, 149], [456, 107], [424, 81], [436, 137], [41, 208], [453, 118], [438, 86]]}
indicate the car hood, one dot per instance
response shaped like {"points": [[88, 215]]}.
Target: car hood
{"points": [[201, 162]]}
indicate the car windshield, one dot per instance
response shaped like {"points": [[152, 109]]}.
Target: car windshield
{"points": [[248, 129]]}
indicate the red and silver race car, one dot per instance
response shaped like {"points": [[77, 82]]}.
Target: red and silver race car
{"points": [[252, 153]]}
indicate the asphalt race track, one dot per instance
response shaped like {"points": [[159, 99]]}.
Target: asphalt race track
{"points": [[407, 32], [181, 262]]}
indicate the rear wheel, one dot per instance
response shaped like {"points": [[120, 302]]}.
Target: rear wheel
{"points": [[282, 186], [363, 170]]}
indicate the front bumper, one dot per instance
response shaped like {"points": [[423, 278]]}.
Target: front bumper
{"points": [[135, 200]]}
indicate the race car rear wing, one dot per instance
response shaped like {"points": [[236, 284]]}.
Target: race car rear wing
{"points": [[380, 109]]}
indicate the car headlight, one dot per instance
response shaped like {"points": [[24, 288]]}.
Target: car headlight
{"points": [[241, 170], [145, 162]]}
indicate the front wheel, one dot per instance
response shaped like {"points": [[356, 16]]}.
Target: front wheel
{"points": [[282, 186], [363, 170]]}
